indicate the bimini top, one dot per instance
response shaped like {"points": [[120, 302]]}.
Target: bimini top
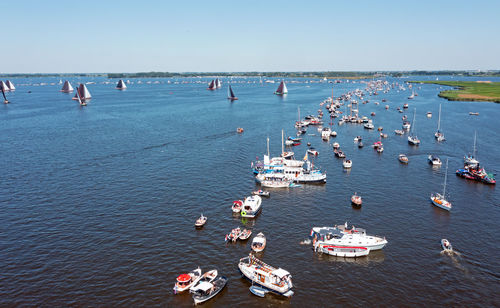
{"points": [[184, 278], [204, 286], [280, 273]]}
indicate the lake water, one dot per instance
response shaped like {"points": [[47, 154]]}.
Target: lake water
{"points": [[98, 203]]}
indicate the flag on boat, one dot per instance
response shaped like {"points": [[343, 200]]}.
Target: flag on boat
{"points": [[312, 232]]}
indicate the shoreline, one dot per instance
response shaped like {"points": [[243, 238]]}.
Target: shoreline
{"points": [[467, 91]]}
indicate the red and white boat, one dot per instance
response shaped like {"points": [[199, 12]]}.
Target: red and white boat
{"points": [[237, 205], [234, 235], [185, 281], [356, 200]]}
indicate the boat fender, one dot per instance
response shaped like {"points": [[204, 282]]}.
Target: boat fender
{"points": [[243, 213]]}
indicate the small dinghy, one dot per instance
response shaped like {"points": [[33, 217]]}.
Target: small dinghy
{"points": [[336, 145], [237, 205], [208, 290], [245, 234], [239, 130], [446, 245], [312, 151], [185, 281], [258, 291], [200, 222], [356, 200], [403, 158], [261, 193], [347, 163], [259, 242]]}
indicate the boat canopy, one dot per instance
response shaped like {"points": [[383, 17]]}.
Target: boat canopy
{"points": [[184, 278], [204, 286], [280, 273]]}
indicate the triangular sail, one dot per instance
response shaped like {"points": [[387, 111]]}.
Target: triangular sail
{"points": [[285, 90], [4, 86], [218, 84], [212, 85], [231, 93], [121, 85], [3, 93], [10, 85], [281, 89], [67, 88], [84, 92]]}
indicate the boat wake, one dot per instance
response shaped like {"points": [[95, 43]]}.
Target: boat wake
{"points": [[455, 258], [305, 242]]}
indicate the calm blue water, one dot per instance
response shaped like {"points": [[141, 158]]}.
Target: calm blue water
{"points": [[98, 203]]}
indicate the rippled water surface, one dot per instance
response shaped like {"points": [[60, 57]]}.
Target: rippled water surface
{"points": [[98, 203]]}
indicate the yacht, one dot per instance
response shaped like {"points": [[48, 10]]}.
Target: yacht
{"points": [[434, 160], [341, 236], [276, 280]]}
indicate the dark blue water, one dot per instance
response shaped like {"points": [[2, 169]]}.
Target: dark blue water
{"points": [[98, 203]]}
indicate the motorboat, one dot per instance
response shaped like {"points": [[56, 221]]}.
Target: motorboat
{"points": [[312, 151], [382, 135], [185, 281], [333, 133], [234, 235], [208, 290], [200, 222], [405, 106], [399, 132], [208, 277], [336, 145], [273, 279], [434, 160], [261, 193], [377, 144], [259, 242], [429, 114], [339, 153], [245, 234], [380, 128], [239, 130], [347, 163], [343, 251], [358, 139], [438, 199], [325, 133], [386, 107], [476, 173], [256, 290], [237, 205], [273, 180], [372, 114], [251, 206], [369, 125], [406, 125], [474, 113], [341, 235], [403, 158], [380, 149], [446, 245], [356, 200]]}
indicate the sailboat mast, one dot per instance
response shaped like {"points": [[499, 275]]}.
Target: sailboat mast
{"points": [[268, 147], [474, 150], [445, 177], [439, 118], [298, 108], [282, 143]]}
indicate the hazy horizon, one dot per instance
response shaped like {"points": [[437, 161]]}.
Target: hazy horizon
{"points": [[282, 36]]}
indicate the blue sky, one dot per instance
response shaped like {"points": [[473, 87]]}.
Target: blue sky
{"points": [[187, 36]]}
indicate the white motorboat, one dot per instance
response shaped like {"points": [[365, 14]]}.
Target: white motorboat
{"points": [[347, 163], [273, 180], [251, 206], [429, 114], [208, 290], [333, 133], [274, 279], [261, 193], [434, 160], [259, 242], [208, 277], [326, 133], [446, 245], [336, 145], [399, 132], [312, 151], [438, 199], [342, 236], [369, 125], [200, 222], [406, 125], [343, 251], [185, 281], [258, 291]]}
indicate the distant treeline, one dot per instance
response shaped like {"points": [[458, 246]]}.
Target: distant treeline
{"points": [[327, 74]]}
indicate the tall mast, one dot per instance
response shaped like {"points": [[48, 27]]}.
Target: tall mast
{"points": [[298, 108], [282, 143], [445, 176], [439, 118], [474, 150], [267, 146]]}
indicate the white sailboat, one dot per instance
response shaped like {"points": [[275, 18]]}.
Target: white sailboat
{"points": [[470, 160], [438, 199], [412, 138], [212, 85], [79, 99], [121, 85], [281, 89], [67, 88], [10, 85], [82, 95], [439, 135], [218, 84], [4, 86]]}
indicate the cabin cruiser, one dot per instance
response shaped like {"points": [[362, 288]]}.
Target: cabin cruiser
{"points": [[325, 133], [304, 174], [273, 180], [276, 280], [341, 236], [369, 125], [251, 206]]}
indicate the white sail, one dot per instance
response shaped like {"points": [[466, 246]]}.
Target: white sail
{"points": [[121, 85], [285, 90], [11, 85], [218, 84], [67, 88], [4, 86], [84, 92]]}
